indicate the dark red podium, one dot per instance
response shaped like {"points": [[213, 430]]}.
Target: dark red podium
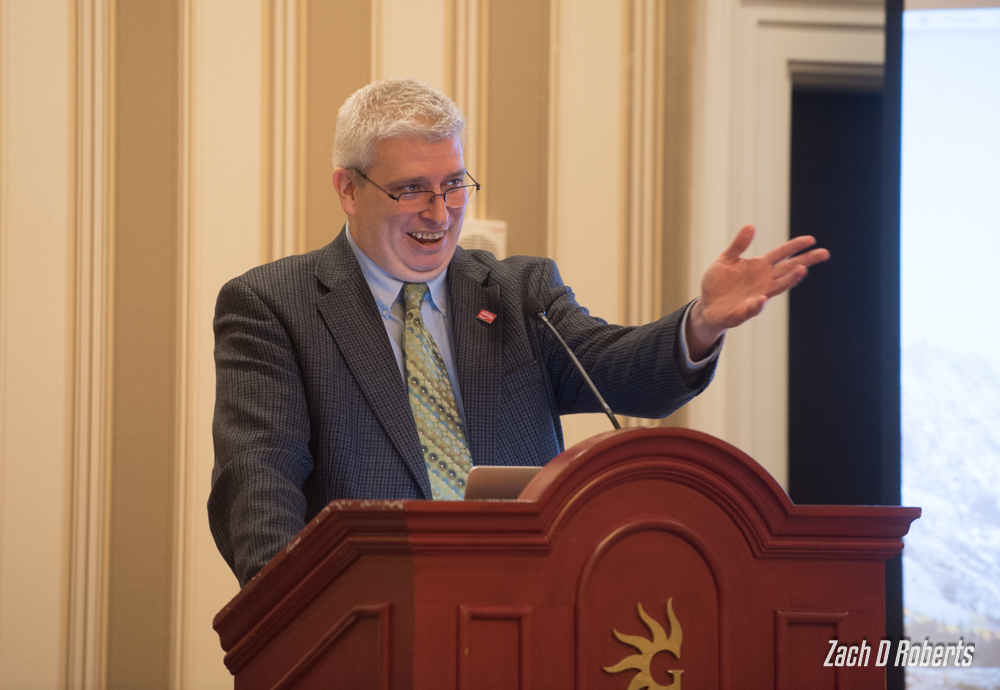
{"points": [[640, 558]]}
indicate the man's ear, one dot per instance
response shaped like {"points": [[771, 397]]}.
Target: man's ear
{"points": [[343, 182]]}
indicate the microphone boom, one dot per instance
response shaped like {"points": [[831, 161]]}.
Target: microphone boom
{"points": [[534, 308]]}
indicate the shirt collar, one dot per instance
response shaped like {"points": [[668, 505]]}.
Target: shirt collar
{"points": [[386, 289]]}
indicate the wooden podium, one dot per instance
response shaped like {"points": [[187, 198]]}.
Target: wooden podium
{"points": [[639, 558]]}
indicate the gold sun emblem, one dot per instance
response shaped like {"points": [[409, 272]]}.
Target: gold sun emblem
{"points": [[648, 649]]}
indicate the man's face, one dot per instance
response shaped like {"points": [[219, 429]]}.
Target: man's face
{"points": [[410, 246]]}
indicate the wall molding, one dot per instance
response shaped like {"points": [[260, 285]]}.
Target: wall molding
{"points": [[644, 167], [469, 69], [553, 217], [92, 371], [794, 25], [185, 443], [642, 179], [656, 179], [284, 137], [846, 76]]}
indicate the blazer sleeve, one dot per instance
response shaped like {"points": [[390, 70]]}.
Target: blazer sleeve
{"points": [[261, 432], [637, 368]]}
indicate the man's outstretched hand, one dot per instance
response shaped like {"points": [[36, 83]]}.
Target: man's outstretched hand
{"points": [[735, 289]]}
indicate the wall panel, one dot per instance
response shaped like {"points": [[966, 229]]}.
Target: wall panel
{"points": [[146, 205], [657, 169], [222, 226], [37, 224], [338, 63], [586, 177], [410, 39], [678, 47], [517, 112]]}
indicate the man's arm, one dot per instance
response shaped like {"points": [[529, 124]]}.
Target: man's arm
{"points": [[735, 289], [261, 431], [641, 370], [638, 369]]}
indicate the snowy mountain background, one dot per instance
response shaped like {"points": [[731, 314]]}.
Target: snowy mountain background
{"points": [[951, 469]]}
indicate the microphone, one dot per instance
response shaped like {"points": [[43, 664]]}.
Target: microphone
{"points": [[534, 308]]}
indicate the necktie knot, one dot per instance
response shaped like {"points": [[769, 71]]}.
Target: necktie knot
{"points": [[413, 296]]}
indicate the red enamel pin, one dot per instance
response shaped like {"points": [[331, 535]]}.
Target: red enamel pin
{"points": [[486, 316]]}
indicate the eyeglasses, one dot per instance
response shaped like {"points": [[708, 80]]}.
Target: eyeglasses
{"points": [[456, 197]]}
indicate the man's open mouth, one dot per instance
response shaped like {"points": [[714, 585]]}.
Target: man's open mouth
{"points": [[426, 237]]}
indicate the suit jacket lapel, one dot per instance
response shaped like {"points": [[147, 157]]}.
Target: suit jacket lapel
{"points": [[478, 353], [351, 315]]}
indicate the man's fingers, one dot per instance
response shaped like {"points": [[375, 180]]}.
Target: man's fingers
{"points": [[752, 307], [739, 245], [811, 258], [788, 280], [787, 249], [808, 259], [732, 278]]}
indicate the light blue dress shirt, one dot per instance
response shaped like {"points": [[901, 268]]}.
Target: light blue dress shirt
{"points": [[435, 312]]}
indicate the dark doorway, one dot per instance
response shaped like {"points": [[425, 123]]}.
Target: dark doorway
{"points": [[834, 417]]}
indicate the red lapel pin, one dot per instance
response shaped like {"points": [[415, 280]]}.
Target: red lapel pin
{"points": [[486, 316]]}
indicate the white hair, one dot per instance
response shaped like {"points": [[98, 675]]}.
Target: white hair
{"points": [[387, 109]]}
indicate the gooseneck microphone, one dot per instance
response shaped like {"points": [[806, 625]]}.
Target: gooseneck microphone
{"points": [[534, 308]]}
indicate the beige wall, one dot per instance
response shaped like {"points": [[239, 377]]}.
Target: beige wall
{"points": [[151, 151]]}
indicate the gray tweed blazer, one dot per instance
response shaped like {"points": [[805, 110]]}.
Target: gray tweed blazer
{"points": [[310, 406]]}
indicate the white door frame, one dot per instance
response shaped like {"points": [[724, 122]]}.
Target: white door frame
{"points": [[745, 56]]}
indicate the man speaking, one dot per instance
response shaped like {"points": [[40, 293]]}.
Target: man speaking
{"points": [[388, 363]]}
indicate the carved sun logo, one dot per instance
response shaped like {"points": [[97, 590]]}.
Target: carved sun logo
{"points": [[641, 662]]}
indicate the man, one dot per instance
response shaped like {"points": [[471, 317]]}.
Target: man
{"points": [[389, 362]]}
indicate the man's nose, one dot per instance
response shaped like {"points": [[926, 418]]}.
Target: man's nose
{"points": [[437, 211]]}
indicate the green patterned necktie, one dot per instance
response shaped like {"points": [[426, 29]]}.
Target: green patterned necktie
{"points": [[439, 425]]}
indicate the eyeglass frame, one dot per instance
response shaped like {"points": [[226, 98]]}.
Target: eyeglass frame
{"points": [[433, 195]]}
